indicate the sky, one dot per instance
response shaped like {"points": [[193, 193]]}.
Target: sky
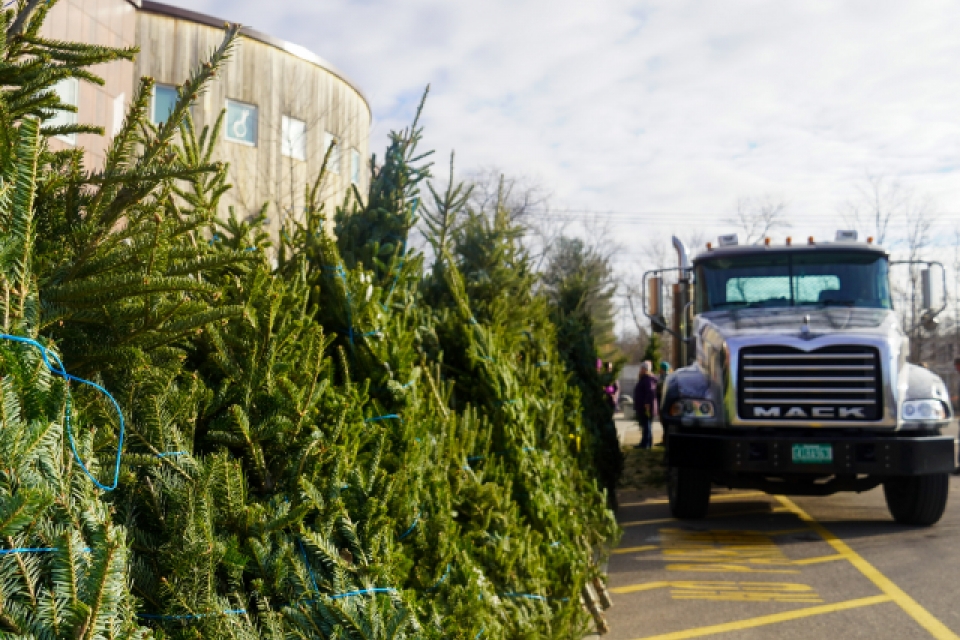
{"points": [[657, 117]]}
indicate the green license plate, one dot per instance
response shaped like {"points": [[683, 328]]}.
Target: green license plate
{"points": [[812, 453]]}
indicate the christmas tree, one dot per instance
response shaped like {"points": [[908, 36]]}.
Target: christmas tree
{"points": [[282, 437]]}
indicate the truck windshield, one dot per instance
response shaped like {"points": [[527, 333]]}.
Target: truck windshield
{"points": [[793, 279]]}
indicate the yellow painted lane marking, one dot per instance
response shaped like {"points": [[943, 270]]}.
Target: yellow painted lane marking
{"points": [[646, 586], [728, 591], [820, 559], [647, 547], [639, 523], [719, 496], [722, 551], [724, 591], [936, 628], [786, 616], [719, 567], [730, 514]]}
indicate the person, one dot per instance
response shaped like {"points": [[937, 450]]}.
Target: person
{"points": [[612, 390], [662, 378], [645, 403]]}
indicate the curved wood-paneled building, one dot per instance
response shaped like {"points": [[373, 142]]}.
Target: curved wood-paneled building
{"points": [[284, 104]]}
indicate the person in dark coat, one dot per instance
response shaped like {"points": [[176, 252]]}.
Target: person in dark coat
{"points": [[645, 403]]}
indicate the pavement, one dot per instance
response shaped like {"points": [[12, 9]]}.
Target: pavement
{"points": [[762, 566]]}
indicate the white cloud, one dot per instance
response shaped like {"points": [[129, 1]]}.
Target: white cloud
{"points": [[669, 106]]}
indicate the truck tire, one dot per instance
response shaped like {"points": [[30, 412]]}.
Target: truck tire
{"points": [[918, 500], [689, 492]]}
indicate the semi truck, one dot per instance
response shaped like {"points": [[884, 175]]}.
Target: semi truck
{"points": [[794, 377]]}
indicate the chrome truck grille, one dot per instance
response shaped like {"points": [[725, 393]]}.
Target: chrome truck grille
{"points": [[834, 383]]}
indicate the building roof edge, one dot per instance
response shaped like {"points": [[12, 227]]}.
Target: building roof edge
{"points": [[293, 49]]}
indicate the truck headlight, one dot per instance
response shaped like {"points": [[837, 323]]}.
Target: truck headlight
{"points": [[923, 410], [692, 409]]}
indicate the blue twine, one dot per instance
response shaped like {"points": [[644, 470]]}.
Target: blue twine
{"points": [[390, 416], [531, 596], [191, 616], [250, 249], [62, 372], [19, 550], [362, 592], [412, 527], [171, 454], [479, 633], [306, 561], [528, 596], [544, 363], [440, 581], [475, 458]]}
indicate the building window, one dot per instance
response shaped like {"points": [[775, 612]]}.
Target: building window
{"points": [[241, 123], [164, 101], [333, 164], [68, 90], [354, 166], [293, 134]]}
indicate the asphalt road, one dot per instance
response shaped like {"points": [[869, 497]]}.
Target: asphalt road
{"points": [[764, 566]]}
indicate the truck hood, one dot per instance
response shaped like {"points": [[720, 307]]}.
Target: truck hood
{"points": [[787, 321]]}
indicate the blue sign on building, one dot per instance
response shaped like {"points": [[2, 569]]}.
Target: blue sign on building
{"points": [[241, 123]]}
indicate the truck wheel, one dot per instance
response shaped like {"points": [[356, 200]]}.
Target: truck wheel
{"points": [[918, 500], [689, 492]]}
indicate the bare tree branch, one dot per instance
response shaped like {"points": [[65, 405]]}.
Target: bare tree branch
{"points": [[757, 217], [879, 201]]}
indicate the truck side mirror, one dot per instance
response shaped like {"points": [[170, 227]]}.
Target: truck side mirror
{"points": [[926, 289], [655, 304]]}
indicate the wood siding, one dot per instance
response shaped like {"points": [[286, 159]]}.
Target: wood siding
{"points": [[278, 83], [111, 23]]}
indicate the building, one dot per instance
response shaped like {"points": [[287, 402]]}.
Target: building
{"points": [[284, 105]]}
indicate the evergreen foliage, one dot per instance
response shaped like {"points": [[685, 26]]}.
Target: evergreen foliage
{"points": [[654, 351], [577, 282], [322, 439]]}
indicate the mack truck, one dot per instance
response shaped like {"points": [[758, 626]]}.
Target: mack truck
{"points": [[793, 377]]}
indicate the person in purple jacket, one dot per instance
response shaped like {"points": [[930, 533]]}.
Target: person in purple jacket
{"points": [[645, 403]]}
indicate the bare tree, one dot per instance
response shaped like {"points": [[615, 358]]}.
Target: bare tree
{"points": [[919, 217], [695, 240], [757, 217], [527, 203], [878, 202], [521, 196]]}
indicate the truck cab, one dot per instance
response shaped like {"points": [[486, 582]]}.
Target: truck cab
{"points": [[797, 381]]}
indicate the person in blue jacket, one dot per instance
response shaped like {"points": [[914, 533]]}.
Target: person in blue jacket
{"points": [[645, 403]]}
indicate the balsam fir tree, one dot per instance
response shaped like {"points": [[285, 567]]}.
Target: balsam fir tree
{"points": [[324, 446], [63, 562]]}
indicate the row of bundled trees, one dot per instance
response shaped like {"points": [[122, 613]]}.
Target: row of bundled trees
{"points": [[206, 432]]}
